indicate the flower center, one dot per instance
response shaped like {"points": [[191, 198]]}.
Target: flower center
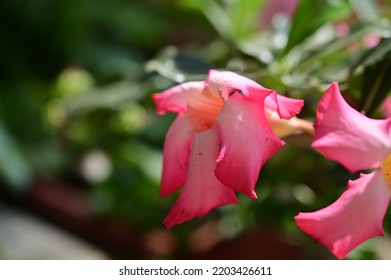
{"points": [[387, 169], [203, 114]]}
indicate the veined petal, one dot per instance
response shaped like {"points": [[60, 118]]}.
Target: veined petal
{"points": [[355, 217], [226, 83], [285, 107], [246, 143], [345, 135], [176, 153], [178, 98], [202, 191]]}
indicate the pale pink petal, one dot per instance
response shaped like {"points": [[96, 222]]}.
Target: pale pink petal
{"points": [[355, 217], [176, 153], [274, 8], [342, 29], [246, 143], [285, 107], [345, 135], [371, 40], [282, 128], [178, 98], [227, 83], [202, 192]]}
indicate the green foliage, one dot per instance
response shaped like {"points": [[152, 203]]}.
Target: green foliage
{"points": [[311, 15], [14, 166]]}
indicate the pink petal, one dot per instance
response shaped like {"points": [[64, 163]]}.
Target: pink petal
{"points": [[176, 153], [197, 109], [386, 107], [178, 98], [275, 8], [345, 135], [355, 217], [371, 40], [246, 143], [285, 107], [226, 83], [342, 29], [202, 192]]}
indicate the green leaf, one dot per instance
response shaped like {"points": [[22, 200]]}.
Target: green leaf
{"points": [[147, 159], [218, 17], [366, 10], [244, 18], [112, 96], [376, 84], [14, 166], [311, 15], [341, 43], [334, 54], [178, 66], [236, 19], [372, 56]]}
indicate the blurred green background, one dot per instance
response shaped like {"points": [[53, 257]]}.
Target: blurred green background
{"points": [[77, 119]]}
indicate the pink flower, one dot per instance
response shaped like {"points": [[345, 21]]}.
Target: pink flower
{"points": [[357, 142], [218, 142]]}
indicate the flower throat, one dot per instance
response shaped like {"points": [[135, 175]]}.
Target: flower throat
{"points": [[387, 169]]}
